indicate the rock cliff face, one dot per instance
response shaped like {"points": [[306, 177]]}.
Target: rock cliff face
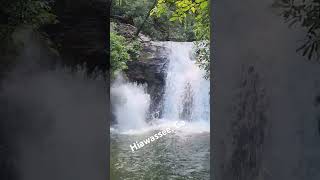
{"points": [[150, 68]]}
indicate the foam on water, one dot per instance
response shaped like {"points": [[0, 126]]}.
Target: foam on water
{"points": [[186, 97], [161, 124]]}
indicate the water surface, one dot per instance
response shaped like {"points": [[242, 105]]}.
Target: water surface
{"points": [[174, 156]]}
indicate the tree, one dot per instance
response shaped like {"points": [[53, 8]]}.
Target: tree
{"points": [[146, 18], [306, 14], [119, 53], [122, 51], [198, 10], [14, 13], [138, 14]]}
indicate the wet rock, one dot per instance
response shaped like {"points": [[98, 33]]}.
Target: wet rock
{"points": [[150, 69]]}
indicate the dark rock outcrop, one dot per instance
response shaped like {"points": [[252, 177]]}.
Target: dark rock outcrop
{"points": [[128, 31], [150, 68]]}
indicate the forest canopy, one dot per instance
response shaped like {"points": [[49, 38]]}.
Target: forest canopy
{"points": [[138, 13], [14, 13], [198, 11], [169, 20]]}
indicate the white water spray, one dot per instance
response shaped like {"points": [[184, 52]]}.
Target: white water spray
{"points": [[187, 91], [186, 95], [130, 104]]}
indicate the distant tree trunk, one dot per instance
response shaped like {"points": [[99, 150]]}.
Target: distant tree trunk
{"points": [[146, 18]]}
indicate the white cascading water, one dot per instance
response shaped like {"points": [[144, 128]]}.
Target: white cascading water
{"points": [[186, 95], [130, 104], [187, 91]]}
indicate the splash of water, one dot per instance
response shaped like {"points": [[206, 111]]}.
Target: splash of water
{"points": [[130, 104], [186, 96], [187, 91]]}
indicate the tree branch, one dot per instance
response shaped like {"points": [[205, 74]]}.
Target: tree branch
{"points": [[146, 18]]}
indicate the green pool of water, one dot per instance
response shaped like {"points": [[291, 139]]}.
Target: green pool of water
{"points": [[171, 157]]}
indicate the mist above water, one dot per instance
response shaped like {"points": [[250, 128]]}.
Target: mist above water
{"points": [[130, 103], [186, 95]]}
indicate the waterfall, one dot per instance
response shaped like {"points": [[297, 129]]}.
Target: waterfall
{"points": [[187, 91], [186, 95], [130, 103]]}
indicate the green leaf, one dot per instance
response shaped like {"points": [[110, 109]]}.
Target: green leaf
{"points": [[199, 1], [204, 5], [174, 18], [193, 9], [186, 9]]}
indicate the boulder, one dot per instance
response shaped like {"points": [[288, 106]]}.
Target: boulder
{"points": [[150, 69]]}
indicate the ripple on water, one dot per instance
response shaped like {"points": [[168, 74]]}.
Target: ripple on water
{"points": [[180, 155]]}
